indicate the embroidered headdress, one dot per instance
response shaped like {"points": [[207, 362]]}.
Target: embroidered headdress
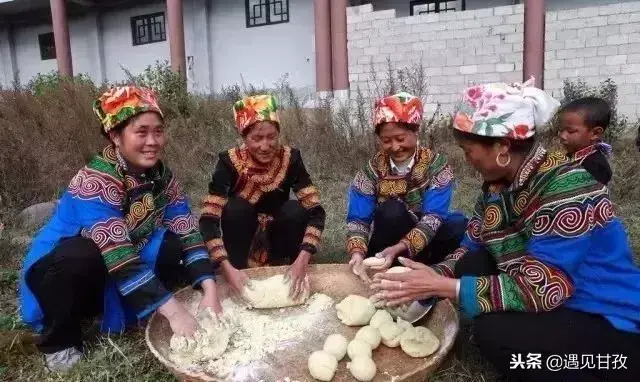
{"points": [[250, 110], [504, 111], [123, 102], [402, 107]]}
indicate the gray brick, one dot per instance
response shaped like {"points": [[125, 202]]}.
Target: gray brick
{"points": [[595, 22], [454, 61], [487, 68], [550, 55], [491, 21], [555, 64], [515, 19], [587, 52], [622, 18], [629, 28], [574, 43], [354, 19], [454, 25], [488, 59], [501, 11], [465, 15], [633, 58], [388, 49], [566, 54], [554, 45], [629, 49], [551, 16], [595, 61], [550, 74], [567, 34], [511, 57], [484, 12], [501, 68], [587, 33], [631, 69], [608, 70], [567, 14], [634, 38], [609, 30], [549, 35], [503, 48], [511, 76], [470, 24], [455, 43], [607, 50], [618, 40], [573, 24], [469, 69], [596, 41], [574, 63], [588, 12], [503, 29], [630, 7], [514, 38], [568, 73], [610, 9], [620, 59]]}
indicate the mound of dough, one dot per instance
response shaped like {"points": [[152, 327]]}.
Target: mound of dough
{"points": [[358, 348], [404, 325], [272, 292], [206, 345], [355, 310], [336, 345], [373, 261], [390, 333], [419, 342], [322, 365], [370, 335], [362, 368], [379, 318]]}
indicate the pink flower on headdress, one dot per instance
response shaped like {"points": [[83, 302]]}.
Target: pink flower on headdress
{"points": [[519, 132], [474, 93]]}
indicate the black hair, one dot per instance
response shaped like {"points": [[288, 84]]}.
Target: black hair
{"points": [[520, 146], [408, 126], [120, 126], [596, 112]]}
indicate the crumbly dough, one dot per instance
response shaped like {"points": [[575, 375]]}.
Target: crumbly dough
{"points": [[209, 342], [355, 310], [379, 318], [322, 365], [419, 342], [272, 292], [390, 333], [362, 368], [358, 348], [370, 335], [336, 345]]}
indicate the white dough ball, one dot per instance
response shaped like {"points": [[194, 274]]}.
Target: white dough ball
{"points": [[404, 325], [370, 335], [379, 318], [373, 261], [362, 368], [355, 310], [390, 333], [358, 348], [322, 365], [419, 342], [336, 345], [398, 270]]}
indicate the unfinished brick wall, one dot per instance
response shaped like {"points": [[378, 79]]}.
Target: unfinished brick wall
{"points": [[483, 45]]}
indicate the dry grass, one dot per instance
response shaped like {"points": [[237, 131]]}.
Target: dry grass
{"points": [[45, 139]]}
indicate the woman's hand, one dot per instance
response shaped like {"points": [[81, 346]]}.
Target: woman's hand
{"points": [[235, 278], [210, 298], [297, 273], [420, 283], [389, 254], [358, 268], [181, 321]]}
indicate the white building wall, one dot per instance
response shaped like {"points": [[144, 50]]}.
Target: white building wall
{"points": [[28, 58], [6, 67], [261, 55]]}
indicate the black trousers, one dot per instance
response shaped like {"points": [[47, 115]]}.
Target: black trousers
{"points": [[69, 286], [576, 337], [284, 233], [392, 221]]}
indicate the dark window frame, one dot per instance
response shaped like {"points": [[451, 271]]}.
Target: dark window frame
{"points": [[266, 6], [47, 45], [135, 37], [413, 3]]}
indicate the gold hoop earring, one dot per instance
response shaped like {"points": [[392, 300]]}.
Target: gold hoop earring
{"points": [[501, 164]]}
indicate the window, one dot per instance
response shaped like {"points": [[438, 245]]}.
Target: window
{"points": [[266, 12], [420, 7], [147, 29], [47, 46]]}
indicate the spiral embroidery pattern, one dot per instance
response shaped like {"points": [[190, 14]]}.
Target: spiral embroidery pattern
{"points": [[492, 217], [521, 202], [363, 184], [443, 178], [573, 219], [182, 224], [474, 229], [89, 184], [550, 285]]}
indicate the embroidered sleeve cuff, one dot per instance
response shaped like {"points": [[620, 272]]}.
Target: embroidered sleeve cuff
{"points": [[416, 241], [212, 205], [144, 293], [309, 197], [217, 252], [467, 298], [356, 244], [311, 240]]}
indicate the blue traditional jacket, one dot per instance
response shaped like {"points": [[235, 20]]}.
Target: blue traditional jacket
{"points": [[126, 217]]}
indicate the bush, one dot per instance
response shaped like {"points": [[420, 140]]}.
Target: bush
{"points": [[42, 84]]}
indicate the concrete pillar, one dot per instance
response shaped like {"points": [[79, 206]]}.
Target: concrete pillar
{"points": [[339, 55], [534, 29], [322, 16], [175, 18], [61, 36]]}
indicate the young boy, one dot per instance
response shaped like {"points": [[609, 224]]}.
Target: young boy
{"points": [[582, 126]]}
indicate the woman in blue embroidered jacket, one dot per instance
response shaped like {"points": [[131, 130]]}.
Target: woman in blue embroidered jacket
{"points": [[404, 192], [121, 238], [545, 268]]}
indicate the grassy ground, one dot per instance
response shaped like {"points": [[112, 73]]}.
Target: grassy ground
{"points": [[44, 145]]}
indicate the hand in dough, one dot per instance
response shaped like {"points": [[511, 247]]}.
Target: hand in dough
{"points": [[236, 279], [181, 321], [358, 268], [389, 254], [297, 273]]}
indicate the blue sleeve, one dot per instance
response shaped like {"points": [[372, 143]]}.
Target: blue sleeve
{"points": [[361, 206]]}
